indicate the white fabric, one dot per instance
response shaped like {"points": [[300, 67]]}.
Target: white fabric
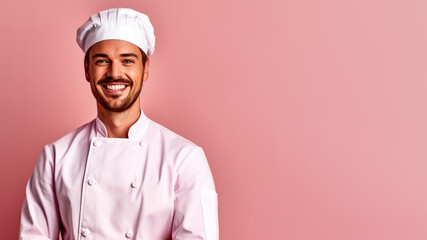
{"points": [[118, 23], [209, 201], [154, 185]]}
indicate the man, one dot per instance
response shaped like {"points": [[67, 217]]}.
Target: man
{"points": [[121, 176]]}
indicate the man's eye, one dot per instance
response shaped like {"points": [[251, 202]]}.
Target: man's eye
{"points": [[101, 61], [128, 61]]}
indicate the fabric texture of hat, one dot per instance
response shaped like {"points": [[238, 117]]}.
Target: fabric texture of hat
{"points": [[118, 23]]}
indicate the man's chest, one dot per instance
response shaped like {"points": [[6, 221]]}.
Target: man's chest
{"points": [[115, 183]]}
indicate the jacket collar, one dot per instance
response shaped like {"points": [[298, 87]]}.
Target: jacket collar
{"points": [[136, 131]]}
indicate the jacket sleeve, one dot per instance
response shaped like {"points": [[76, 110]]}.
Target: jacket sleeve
{"points": [[196, 204], [40, 214]]}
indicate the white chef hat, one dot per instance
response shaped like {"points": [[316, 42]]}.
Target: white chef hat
{"points": [[117, 23]]}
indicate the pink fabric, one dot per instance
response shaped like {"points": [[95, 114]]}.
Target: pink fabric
{"points": [[153, 185]]}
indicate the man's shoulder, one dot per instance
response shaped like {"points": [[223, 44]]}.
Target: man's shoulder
{"points": [[78, 134], [168, 137], [172, 144]]}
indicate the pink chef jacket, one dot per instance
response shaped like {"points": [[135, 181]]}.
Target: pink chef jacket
{"points": [[154, 185]]}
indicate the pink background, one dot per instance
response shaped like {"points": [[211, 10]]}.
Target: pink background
{"points": [[312, 113]]}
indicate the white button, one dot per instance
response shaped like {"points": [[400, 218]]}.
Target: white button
{"points": [[134, 185], [141, 144], [85, 233], [97, 143], [129, 234], [91, 182]]}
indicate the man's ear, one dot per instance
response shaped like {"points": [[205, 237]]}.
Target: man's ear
{"points": [[146, 71], [86, 65]]}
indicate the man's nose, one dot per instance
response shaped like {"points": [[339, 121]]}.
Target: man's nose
{"points": [[115, 70]]}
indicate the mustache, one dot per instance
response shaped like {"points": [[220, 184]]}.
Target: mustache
{"points": [[112, 80]]}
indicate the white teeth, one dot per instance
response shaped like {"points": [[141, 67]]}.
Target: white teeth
{"points": [[116, 87]]}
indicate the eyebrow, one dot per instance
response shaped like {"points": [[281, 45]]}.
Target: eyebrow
{"points": [[129, 55], [121, 55], [100, 55]]}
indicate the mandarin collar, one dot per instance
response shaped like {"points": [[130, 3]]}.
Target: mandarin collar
{"points": [[135, 131]]}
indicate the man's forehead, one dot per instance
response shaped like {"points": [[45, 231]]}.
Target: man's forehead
{"points": [[114, 46]]}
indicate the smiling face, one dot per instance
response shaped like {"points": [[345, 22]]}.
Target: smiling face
{"points": [[115, 71]]}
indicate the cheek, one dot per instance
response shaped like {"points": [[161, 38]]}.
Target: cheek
{"points": [[95, 74], [135, 73]]}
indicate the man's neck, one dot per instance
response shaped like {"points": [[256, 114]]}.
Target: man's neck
{"points": [[119, 123]]}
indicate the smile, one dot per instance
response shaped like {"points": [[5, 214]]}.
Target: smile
{"points": [[114, 87]]}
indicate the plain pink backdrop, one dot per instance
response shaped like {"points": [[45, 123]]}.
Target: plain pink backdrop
{"points": [[313, 114]]}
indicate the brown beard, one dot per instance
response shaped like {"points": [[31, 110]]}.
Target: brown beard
{"points": [[127, 103]]}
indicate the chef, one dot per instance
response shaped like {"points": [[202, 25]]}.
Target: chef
{"points": [[120, 176]]}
